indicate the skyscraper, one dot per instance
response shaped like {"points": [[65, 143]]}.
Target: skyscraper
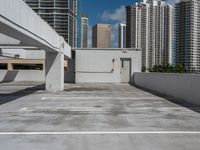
{"points": [[62, 15], [187, 32], [150, 28], [122, 36], [84, 31], [78, 34], [101, 36]]}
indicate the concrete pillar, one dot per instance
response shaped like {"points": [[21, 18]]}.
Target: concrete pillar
{"points": [[10, 67], [54, 70]]}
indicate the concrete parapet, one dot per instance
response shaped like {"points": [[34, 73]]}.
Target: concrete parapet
{"points": [[181, 86]]}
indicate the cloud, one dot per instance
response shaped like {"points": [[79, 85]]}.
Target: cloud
{"points": [[114, 17], [118, 15]]}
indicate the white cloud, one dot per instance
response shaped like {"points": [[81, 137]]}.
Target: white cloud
{"points": [[118, 15], [114, 17]]}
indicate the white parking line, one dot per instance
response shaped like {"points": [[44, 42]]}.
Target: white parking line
{"points": [[100, 98], [29, 109], [99, 133], [93, 108]]}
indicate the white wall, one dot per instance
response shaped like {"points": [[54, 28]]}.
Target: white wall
{"points": [[96, 65], [35, 54], [13, 52], [22, 75], [6, 40], [182, 86], [23, 54]]}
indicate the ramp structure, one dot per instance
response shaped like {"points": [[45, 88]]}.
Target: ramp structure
{"points": [[19, 21]]}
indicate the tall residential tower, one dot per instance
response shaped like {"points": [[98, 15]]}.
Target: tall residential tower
{"points": [[122, 36], [150, 28], [187, 31], [62, 15], [101, 36], [84, 31]]}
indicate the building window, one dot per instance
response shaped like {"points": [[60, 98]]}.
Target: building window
{"points": [[27, 66], [3, 66]]}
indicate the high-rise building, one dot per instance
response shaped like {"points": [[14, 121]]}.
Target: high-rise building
{"points": [[101, 36], [150, 28], [84, 31], [122, 36], [78, 34], [62, 15], [187, 33]]}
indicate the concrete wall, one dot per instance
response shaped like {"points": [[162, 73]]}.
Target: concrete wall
{"points": [[29, 75], [6, 40], [23, 54], [35, 54], [182, 86], [96, 65], [22, 75]]}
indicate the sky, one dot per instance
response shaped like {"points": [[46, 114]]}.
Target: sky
{"points": [[106, 11]]}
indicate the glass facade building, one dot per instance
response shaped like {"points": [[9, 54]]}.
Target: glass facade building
{"points": [[187, 31], [62, 15], [122, 36], [150, 27]]}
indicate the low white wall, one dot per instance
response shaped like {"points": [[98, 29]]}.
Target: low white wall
{"points": [[22, 75], [103, 65], [182, 86]]}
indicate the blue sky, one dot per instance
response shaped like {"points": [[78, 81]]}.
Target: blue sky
{"points": [[106, 11], [95, 8]]}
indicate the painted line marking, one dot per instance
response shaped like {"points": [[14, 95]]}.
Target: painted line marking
{"points": [[95, 92], [93, 108], [61, 108], [101, 98], [99, 133]]}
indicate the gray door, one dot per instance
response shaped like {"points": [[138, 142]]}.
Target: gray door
{"points": [[125, 70]]}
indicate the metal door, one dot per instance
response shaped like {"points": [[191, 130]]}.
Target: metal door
{"points": [[125, 70]]}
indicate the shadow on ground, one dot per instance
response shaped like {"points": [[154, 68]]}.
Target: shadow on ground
{"points": [[176, 101], [8, 97]]}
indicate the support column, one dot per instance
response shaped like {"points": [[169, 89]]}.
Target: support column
{"points": [[54, 70], [10, 67]]}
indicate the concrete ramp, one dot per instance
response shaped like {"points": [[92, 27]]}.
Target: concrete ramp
{"points": [[19, 21]]}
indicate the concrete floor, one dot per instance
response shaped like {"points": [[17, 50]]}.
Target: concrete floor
{"points": [[94, 117]]}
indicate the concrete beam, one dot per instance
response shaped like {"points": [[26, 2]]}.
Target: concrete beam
{"points": [[6, 40], [18, 47], [54, 71], [19, 21]]}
